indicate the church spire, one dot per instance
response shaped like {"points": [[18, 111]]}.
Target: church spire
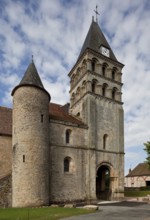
{"points": [[95, 39]]}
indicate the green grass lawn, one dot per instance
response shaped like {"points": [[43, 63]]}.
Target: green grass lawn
{"points": [[49, 213], [136, 193]]}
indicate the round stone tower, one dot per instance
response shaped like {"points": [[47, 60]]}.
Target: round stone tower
{"points": [[30, 161]]}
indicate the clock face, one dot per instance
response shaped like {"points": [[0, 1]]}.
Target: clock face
{"points": [[105, 51]]}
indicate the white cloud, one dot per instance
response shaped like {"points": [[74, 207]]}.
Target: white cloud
{"points": [[53, 31]]}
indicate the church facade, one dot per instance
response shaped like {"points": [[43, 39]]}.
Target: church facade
{"points": [[67, 153]]}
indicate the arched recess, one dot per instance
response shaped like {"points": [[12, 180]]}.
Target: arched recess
{"points": [[104, 67], [67, 162], [93, 64], [114, 91], [114, 73], [104, 87], [103, 182], [78, 93], [68, 135], [83, 87], [93, 85], [78, 73], [84, 66]]}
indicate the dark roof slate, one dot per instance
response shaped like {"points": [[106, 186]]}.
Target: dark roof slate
{"points": [[5, 121], [142, 169], [31, 78], [94, 39]]}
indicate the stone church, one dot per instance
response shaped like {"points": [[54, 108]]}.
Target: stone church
{"points": [[53, 153]]}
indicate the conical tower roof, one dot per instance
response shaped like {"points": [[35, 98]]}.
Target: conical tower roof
{"points": [[31, 78], [94, 39]]}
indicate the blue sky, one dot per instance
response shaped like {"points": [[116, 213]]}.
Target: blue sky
{"points": [[54, 31]]}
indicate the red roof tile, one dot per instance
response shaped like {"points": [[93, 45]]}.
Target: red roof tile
{"points": [[59, 112], [5, 121]]}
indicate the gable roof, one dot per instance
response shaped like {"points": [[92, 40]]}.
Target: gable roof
{"points": [[142, 169], [31, 78], [56, 112], [5, 121], [94, 39], [61, 112]]}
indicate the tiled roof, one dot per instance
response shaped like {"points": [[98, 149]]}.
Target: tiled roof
{"points": [[142, 169], [5, 121], [94, 39], [59, 112]]}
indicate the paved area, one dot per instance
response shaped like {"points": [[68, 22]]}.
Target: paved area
{"points": [[118, 211]]}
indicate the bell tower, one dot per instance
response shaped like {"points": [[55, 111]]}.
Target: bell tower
{"points": [[96, 98]]}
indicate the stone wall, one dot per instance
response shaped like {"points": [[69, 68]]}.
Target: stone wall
{"points": [[68, 186], [30, 176], [5, 155], [5, 191]]}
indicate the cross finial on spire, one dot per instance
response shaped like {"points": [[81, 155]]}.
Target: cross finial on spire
{"points": [[96, 12], [32, 59]]}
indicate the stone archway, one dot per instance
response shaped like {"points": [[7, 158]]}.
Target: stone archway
{"points": [[103, 184]]}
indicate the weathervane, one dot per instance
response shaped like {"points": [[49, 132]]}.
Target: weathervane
{"points": [[96, 12]]}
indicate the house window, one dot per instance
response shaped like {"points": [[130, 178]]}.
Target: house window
{"points": [[147, 183], [68, 133], [67, 161]]}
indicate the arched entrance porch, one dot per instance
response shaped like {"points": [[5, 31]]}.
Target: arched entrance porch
{"points": [[103, 184]]}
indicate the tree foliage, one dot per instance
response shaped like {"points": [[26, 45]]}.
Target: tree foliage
{"points": [[147, 149]]}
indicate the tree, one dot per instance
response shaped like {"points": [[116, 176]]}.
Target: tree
{"points": [[147, 149]]}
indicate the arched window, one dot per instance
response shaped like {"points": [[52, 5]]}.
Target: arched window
{"points": [[114, 73], [73, 80], [78, 73], [104, 66], [105, 137], [93, 85], [104, 89], [78, 92], [114, 90], [68, 133], [84, 66], [67, 164], [93, 64]]}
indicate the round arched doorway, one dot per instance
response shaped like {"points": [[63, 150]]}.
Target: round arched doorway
{"points": [[103, 186]]}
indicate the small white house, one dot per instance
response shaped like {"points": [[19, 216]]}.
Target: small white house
{"points": [[139, 176]]}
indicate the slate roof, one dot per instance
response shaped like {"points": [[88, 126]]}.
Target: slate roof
{"points": [[56, 112], [94, 39], [142, 169], [31, 78], [5, 121]]}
